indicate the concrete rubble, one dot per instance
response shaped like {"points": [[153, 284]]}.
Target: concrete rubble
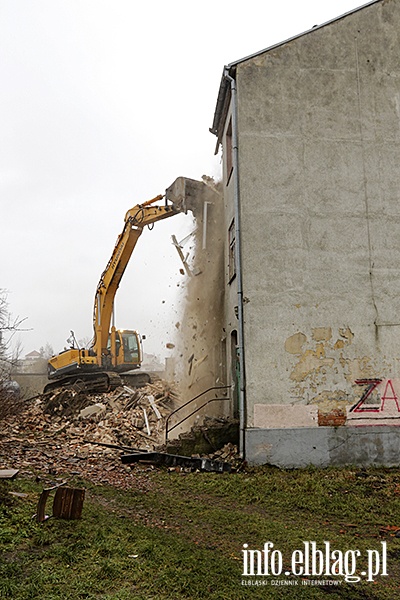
{"points": [[71, 432]]}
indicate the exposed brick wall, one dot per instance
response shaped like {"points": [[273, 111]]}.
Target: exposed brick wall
{"points": [[336, 418]]}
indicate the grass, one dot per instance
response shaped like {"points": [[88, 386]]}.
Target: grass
{"points": [[180, 535]]}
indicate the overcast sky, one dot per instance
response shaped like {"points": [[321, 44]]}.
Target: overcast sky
{"points": [[103, 104]]}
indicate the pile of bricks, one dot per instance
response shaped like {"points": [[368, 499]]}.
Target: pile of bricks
{"points": [[71, 433]]}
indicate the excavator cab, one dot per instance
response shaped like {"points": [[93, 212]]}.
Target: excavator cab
{"points": [[124, 347]]}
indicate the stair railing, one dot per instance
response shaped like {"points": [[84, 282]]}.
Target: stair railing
{"points": [[171, 414]]}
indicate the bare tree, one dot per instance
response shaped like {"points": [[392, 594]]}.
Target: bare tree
{"points": [[9, 390], [46, 351], [9, 325], [85, 342]]}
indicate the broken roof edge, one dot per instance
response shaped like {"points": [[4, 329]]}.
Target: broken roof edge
{"points": [[230, 69], [221, 106]]}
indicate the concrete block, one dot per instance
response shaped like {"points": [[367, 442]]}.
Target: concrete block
{"points": [[92, 410]]}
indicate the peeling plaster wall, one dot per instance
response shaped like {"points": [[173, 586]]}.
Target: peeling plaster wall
{"points": [[319, 160]]}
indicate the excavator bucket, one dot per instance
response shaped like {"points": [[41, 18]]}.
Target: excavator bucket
{"points": [[184, 194]]}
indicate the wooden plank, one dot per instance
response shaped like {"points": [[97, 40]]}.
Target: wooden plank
{"points": [[8, 473], [68, 503], [41, 508]]}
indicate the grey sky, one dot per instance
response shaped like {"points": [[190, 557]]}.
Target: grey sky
{"points": [[103, 103]]}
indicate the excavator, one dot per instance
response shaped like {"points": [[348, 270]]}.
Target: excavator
{"points": [[112, 351]]}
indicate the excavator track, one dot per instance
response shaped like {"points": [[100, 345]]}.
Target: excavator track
{"points": [[90, 383], [136, 379]]}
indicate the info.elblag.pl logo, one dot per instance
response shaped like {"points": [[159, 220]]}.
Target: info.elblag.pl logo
{"points": [[314, 561]]}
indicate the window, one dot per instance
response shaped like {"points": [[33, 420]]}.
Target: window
{"points": [[228, 150], [130, 346], [235, 372], [232, 251]]}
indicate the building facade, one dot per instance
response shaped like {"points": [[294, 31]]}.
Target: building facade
{"points": [[310, 135]]}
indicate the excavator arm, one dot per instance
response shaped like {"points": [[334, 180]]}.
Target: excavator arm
{"points": [[135, 220], [111, 350]]}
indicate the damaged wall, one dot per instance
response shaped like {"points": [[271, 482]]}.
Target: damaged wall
{"points": [[200, 361], [328, 372], [319, 166]]}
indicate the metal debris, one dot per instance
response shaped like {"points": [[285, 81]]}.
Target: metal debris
{"points": [[175, 460]]}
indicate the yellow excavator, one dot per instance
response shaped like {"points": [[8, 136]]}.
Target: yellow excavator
{"points": [[112, 351]]}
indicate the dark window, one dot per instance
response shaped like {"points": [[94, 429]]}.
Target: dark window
{"points": [[232, 251], [228, 150]]}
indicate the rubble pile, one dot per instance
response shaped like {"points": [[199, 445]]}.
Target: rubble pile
{"points": [[229, 453], [126, 417], [73, 432]]}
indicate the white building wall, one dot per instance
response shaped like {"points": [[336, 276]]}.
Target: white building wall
{"points": [[319, 160]]}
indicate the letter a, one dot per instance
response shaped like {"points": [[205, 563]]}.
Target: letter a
{"points": [[393, 397]]}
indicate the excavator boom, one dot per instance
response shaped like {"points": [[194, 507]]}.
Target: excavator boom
{"points": [[135, 220], [111, 350]]}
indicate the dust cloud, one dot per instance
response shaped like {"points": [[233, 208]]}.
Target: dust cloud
{"points": [[199, 353]]}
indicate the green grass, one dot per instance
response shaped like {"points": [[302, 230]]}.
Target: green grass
{"points": [[180, 536]]}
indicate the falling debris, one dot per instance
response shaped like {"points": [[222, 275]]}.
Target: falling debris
{"points": [[201, 339], [181, 256]]}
